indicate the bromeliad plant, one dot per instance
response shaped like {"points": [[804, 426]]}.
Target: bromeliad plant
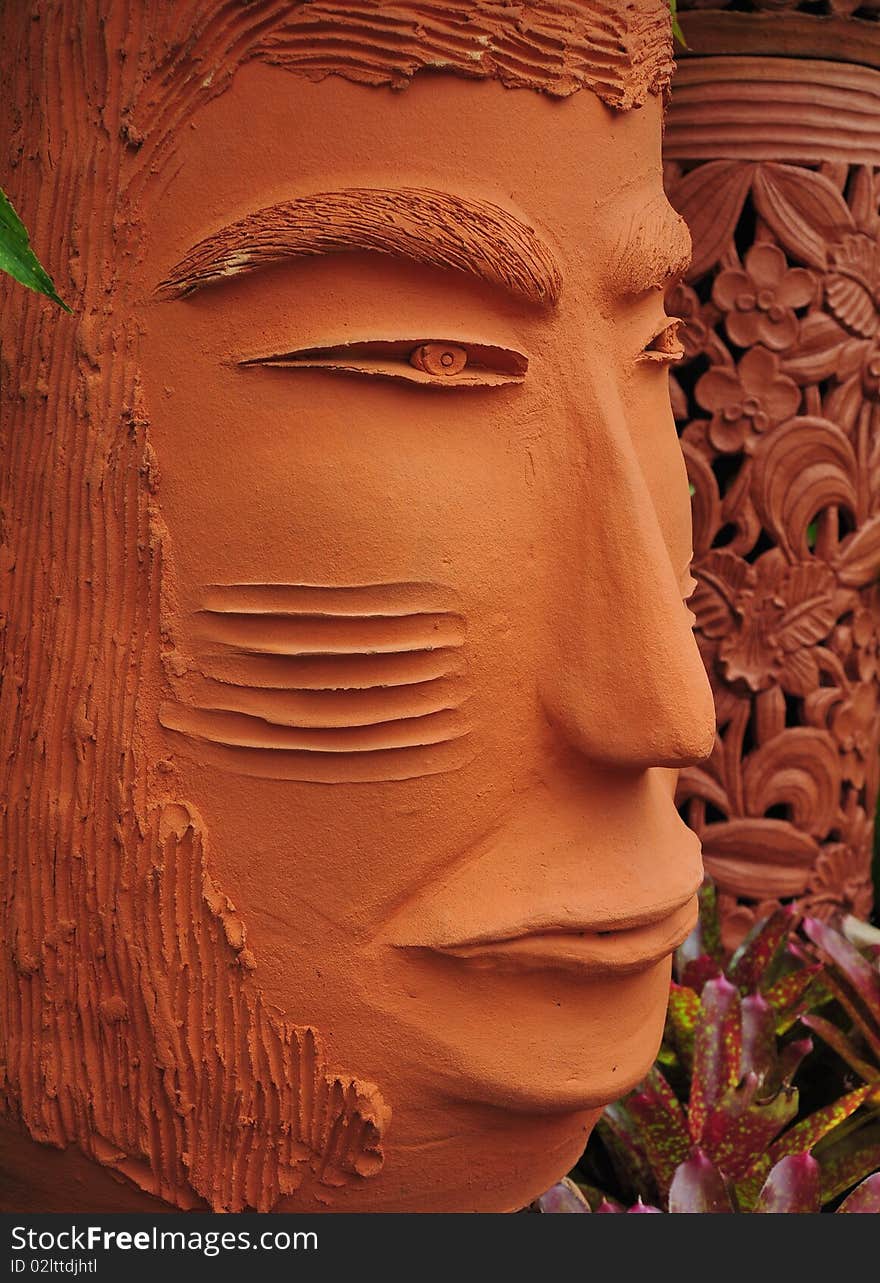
{"points": [[741, 1112]]}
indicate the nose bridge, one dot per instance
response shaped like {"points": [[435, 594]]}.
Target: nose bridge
{"points": [[625, 683]]}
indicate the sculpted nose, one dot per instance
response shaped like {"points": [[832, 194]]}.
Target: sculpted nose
{"points": [[625, 683]]}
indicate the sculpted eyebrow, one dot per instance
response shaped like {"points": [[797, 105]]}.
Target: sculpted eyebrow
{"points": [[435, 228], [655, 249]]}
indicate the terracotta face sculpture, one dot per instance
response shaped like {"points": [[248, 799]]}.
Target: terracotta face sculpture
{"points": [[394, 677]]}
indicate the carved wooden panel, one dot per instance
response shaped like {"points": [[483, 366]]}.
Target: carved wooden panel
{"points": [[778, 404]]}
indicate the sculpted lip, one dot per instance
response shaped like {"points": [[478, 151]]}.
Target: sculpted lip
{"points": [[627, 944]]}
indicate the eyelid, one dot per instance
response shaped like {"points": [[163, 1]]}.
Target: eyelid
{"points": [[673, 349], [488, 365]]}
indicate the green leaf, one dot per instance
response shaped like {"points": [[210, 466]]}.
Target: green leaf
{"points": [[18, 259], [676, 26]]}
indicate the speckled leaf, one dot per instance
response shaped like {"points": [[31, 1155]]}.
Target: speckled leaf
{"points": [[838, 1040], [791, 1056], [696, 973], [845, 1160], [858, 971], [864, 1198], [805, 1134], [838, 988], [717, 1050], [792, 1186], [681, 1022], [741, 1126], [662, 1127], [620, 1136], [698, 1186], [751, 963], [791, 995], [758, 1035]]}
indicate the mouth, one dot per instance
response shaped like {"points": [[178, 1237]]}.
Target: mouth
{"points": [[622, 946]]}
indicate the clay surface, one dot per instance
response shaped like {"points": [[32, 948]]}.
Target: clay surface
{"points": [[774, 163], [346, 671]]}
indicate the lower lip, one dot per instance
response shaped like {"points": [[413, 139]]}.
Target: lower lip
{"points": [[584, 952]]}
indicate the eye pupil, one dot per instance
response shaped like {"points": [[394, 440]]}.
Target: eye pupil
{"points": [[439, 358]]}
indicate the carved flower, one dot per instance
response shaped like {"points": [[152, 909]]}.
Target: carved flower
{"points": [[827, 351], [840, 882], [759, 302], [769, 616], [854, 726], [746, 401], [852, 285], [867, 642], [694, 334]]}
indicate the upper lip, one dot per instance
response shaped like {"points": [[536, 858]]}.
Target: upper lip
{"points": [[572, 898]]}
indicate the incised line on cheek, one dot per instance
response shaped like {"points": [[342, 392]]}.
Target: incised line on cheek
{"points": [[434, 228], [364, 684]]}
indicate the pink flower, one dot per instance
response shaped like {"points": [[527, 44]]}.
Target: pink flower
{"points": [[759, 303], [746, 401]]}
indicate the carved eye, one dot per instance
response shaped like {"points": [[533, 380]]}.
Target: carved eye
{"points": [[431, 363], [439, 358], [665, 346]]}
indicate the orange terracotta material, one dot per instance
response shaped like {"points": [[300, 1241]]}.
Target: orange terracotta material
{"points": [[345, 532]]}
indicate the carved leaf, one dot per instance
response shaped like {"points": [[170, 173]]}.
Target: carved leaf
{"points": [[807, 590], [760, 858], [800, 468], [858, 563], [851, 303], [710, 200], [705, 499], [799, 672], [799, 769], [802, 208], [721, 576]]}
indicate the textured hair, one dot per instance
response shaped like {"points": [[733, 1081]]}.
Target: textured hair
{"points": [[131, 1019]]}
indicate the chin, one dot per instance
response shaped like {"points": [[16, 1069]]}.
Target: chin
{"points": [[546, 1044]]}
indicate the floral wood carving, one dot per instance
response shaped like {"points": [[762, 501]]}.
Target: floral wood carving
{"points": [[778, 404]]}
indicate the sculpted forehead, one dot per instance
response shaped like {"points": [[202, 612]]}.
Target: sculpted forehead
{"points": [[563, 167]]}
